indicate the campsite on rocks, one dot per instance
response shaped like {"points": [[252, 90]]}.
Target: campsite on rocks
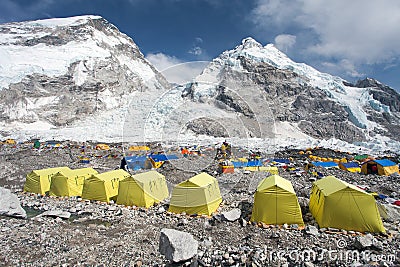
{"points": [[242, 221], [256, 161]]}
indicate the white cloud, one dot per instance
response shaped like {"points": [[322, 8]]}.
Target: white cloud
{"points": [[197, 51], [343, 65], [285, 41], [362, 32], [174, 69]]}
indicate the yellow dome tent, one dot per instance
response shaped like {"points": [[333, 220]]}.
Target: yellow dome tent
{"points": [[350, 166], [38, 181], [102, 147], [335, 203], [69, 183], [143, 189], [381, 167], [139, 148], [10, 142], [275, 202], [197, 195], [104, 186]]}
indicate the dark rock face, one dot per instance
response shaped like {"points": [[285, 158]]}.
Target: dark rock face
{"points": [[389, 120], [207, 126], [287, 97], [382, 93]]}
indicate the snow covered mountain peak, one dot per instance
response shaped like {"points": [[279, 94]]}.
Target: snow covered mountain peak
{"points": [[53, 46], [61, 22], [249, 42], [58, 71], [301, 95]]}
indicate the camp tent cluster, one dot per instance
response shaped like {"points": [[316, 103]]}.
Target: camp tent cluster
{"points": [[144, 189], [333, 203]]}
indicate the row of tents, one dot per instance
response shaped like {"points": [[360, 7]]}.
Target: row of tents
{"points": [[199, 194], [376, 166], [333, 203]]}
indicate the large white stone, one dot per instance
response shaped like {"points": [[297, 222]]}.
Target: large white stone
{"points": [[10, 205], [177, 245], [57, 214], [232, 215]]}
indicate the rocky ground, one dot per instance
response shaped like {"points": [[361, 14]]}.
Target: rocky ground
{"points": [[98, 234]]}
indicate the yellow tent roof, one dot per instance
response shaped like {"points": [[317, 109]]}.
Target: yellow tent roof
{"points": [[102, 146], [200, 180], [145, 177], [49, 171], [77, 172], [139, 148], [275, 180], [142, 189], [84, 171], [330, 184], [110, 175]]}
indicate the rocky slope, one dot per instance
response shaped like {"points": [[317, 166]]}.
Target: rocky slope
{"points": [[313, 103], [89, 233]]}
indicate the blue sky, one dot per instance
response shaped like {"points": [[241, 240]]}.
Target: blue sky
{"points": [[353, 39]]}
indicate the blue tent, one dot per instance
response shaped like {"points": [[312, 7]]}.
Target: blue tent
{"points": [[163, 157], [285, 161], [351, 165], [385, 162], [329, 164], [254, 163], [134, 162], [243, 164], [239, 164]]}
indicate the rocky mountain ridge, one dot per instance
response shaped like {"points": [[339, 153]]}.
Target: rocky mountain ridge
{"points": [[317, 104]]}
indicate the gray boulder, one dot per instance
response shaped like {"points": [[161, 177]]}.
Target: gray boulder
{"points": [[363, 242], [57, 214], [389, 212], [10, 205], [232, 215], [176, 245], [312, 230]]}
